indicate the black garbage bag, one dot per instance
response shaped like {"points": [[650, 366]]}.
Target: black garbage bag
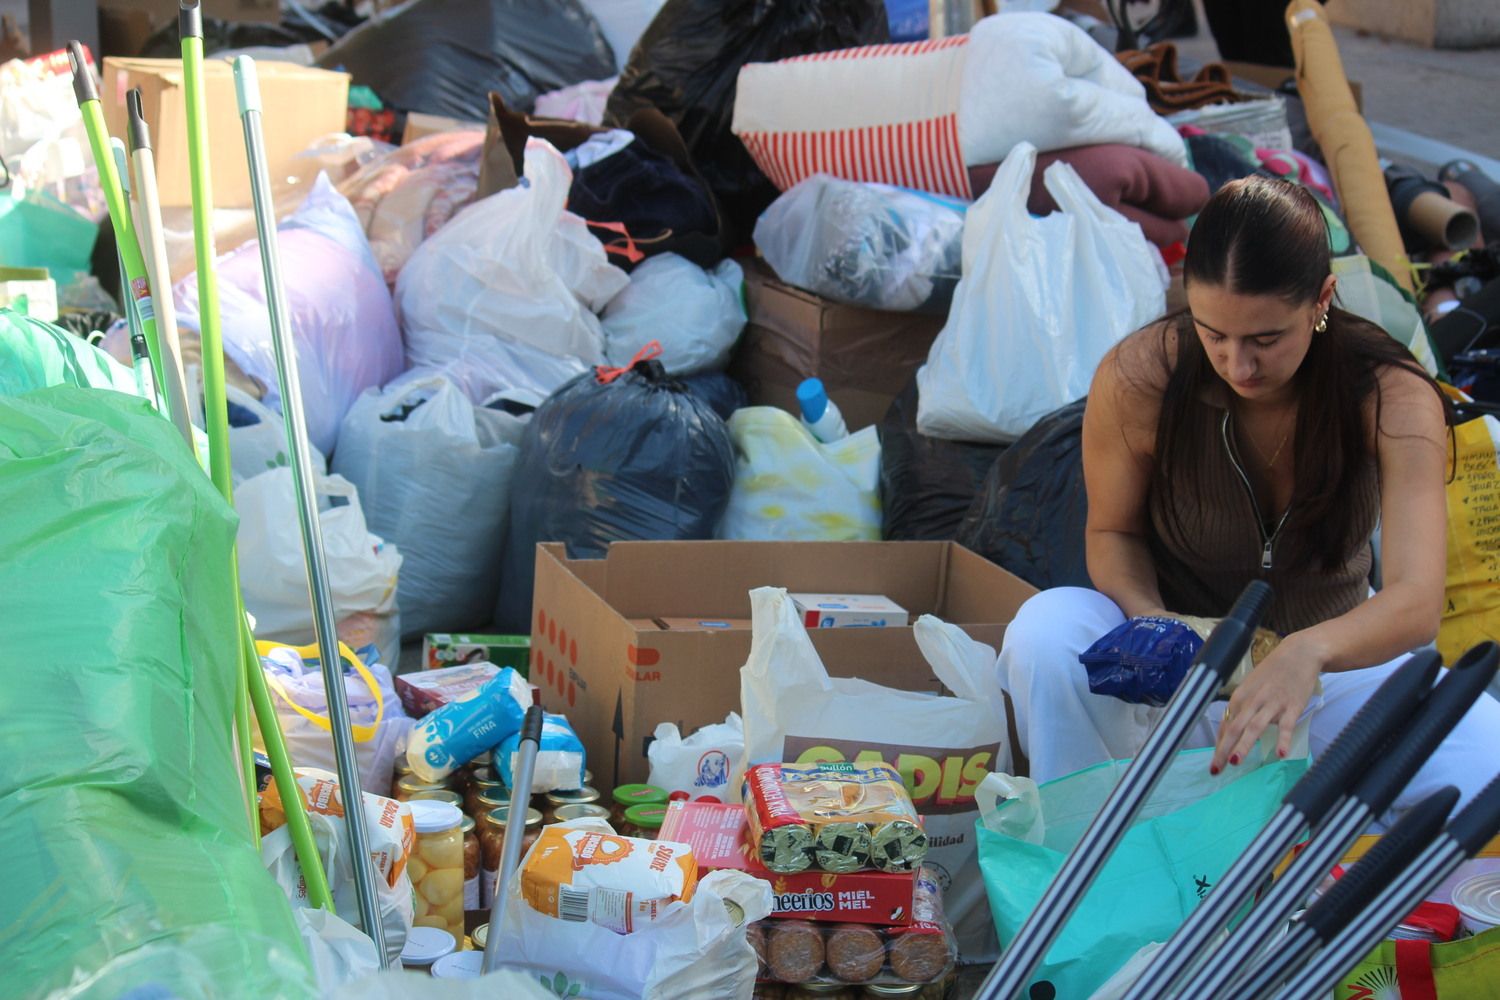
{"points": [[722, 394], [688, 62], [327, 23], [926, 483], [1030, 516], [443, 57], [640, 457]]}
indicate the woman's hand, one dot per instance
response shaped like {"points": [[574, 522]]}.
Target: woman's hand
{"points": [[1275, 694]]}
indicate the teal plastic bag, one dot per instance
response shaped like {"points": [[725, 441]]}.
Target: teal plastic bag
{"points": [[34, 355], [124, 837], [37, 230], [1191, 830]]}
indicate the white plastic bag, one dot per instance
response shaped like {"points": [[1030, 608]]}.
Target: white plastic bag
{"points": [[696, 315], [700, 764], [434, 477], [1040, 304], [696, 950], [943, 746], [340, 952], [391, 835], [789, 486], [380, 724], [257, 438], [504, 295], [342, 319], [868, 245], [362, 567]]}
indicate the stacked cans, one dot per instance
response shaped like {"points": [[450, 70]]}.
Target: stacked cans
{"points": [[837, 817]]}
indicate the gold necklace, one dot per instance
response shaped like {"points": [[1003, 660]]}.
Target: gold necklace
{"points": [[1271, 462]]}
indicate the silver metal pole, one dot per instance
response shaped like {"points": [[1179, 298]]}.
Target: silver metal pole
{"points": [[1353, 892], [515, 830], [247, 89], [1465, 837], [1305, 806], [1438, 713], [1224, 648]]}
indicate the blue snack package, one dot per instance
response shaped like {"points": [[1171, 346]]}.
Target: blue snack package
{"points": [[458, 732], [1142, 661], [560, 759]]}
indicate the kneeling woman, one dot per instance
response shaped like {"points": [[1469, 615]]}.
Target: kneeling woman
{"points": [[1261, 434]]}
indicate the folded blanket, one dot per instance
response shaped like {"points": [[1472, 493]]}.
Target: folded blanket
{"points": [[1145, 188]]}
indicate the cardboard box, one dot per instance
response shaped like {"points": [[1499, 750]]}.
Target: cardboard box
{"points": [[301, 104], [848, 610], [419, 125], [718, 834], [447, 649], [425, 691], [600, 658], [865, 357]]}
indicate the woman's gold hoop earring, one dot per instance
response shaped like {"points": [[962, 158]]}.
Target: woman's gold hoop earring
{"points": [[1322, 325]]}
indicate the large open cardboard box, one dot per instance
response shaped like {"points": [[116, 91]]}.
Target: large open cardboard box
{"points": [[615, 647], [299, 103]]}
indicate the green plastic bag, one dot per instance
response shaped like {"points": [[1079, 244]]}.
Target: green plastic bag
{"points": [[1191, 830], [1466, 969], [34, 355], [124, 837]]}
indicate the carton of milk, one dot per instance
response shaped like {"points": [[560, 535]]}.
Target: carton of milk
{"points": [[848, 610]]}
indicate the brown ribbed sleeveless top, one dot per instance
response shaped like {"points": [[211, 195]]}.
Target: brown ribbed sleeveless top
{"points": [[1203, 563]]}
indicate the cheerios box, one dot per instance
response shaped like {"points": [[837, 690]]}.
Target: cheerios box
{"points": [[719, 836]]}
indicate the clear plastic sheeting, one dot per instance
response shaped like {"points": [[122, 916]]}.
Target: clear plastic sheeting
{"points": [[636, 458], [868, 245], [129, 858]]}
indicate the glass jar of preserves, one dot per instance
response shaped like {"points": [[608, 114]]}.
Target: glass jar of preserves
{"points": [[492, 842], [411, 783], [644, 821], [436, 795], [473, 862], [626, 796], [477, 787], [437, 866], [585, 796], [567, 814]]}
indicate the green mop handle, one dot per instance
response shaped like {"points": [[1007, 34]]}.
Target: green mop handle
{"points": [[120, 219], [216, 425]]}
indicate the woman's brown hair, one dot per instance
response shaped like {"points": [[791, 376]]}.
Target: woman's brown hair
{"points": [[1263, 236]]}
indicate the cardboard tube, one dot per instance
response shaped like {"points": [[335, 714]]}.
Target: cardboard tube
{"points": [[1442, 222], [1348, 147]]}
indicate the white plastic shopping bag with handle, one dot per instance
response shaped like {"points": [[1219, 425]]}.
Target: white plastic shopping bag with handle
{"points": [[943, 746], [1040, 303], [694, 949]]}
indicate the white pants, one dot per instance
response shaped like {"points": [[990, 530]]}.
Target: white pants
{"points": [[1064, 727]]}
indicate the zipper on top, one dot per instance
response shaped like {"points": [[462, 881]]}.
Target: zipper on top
{"points": [[1266, 540]]}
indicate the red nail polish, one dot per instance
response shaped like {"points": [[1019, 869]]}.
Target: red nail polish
{"points": [[1281, 753], [1213, 769], [1234, 760]]}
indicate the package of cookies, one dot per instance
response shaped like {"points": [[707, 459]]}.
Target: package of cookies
{"points": [[837, 817], [805, 953]]}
